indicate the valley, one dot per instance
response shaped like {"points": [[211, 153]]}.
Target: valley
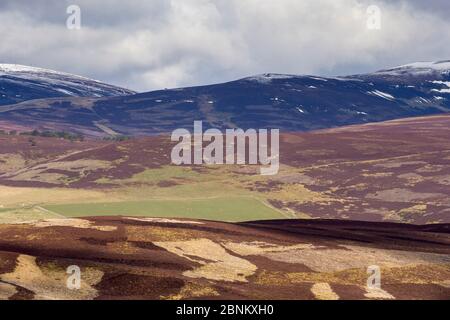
{"points": [[343, 173]]}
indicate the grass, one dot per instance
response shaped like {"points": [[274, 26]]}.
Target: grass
{"points": [[15, 215], [16, 197], [215, 194], [166, 173], [220, 209], [172, 172]]}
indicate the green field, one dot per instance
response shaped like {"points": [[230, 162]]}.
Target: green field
{"points": [[221, 209]]}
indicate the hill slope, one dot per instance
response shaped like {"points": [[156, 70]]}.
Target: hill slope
{"points": [[149, 258], [288, 102], [396, 170], [20, 83]]}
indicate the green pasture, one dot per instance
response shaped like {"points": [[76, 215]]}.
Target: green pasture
{"points": [[221, 209]]}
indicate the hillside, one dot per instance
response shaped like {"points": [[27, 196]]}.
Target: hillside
{"points": [[390, 171], [21, 83], [149, 258], [287, 102]]}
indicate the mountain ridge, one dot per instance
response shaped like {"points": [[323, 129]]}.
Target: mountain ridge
{"points": [[20, 83], [287, 102]]}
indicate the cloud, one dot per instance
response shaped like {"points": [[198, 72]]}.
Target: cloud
{"points": [[147, 45]]}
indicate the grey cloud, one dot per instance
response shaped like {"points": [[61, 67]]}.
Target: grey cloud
{"points": [[146, 45]]}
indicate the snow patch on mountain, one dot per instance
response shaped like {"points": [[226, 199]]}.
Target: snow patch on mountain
{"points": [[439, 65], [382, 94], [318, 78], [441, 90], [443, 83], [54, 83], [268, 77], [33, 71], [418, 68], [300, 110]]}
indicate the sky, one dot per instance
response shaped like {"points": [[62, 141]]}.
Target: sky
{"points": [[153, 44]]}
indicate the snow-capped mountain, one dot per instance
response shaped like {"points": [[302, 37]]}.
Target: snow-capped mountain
{"points": [[419, 69], [287, 102], [20, 83]]}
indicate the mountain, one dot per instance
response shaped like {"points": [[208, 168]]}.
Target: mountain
{"points": [[417, 70], [287, 102], [20, 83]]}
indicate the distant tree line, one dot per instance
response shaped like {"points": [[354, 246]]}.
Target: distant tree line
{"points": [[117, 138], [10, 133], [47, 134], [60, 134]]}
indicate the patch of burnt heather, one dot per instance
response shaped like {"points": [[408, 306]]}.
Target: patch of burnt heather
{"points": [[348, 292], [69, 174], [125, 221], [22, 294], [199, 169], [412, 291], [59, 263], [286, 291], [277, 203], [438, 228], [365, 233], [167, 183], [221, 230], [265, 186], [266, 264], [27, 184], [99, 242], [407, 238], [133, 286], [159, 260], [8, 262], [146, 245]]}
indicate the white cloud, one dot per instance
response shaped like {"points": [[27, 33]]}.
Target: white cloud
{"points": [[148, 45]]}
